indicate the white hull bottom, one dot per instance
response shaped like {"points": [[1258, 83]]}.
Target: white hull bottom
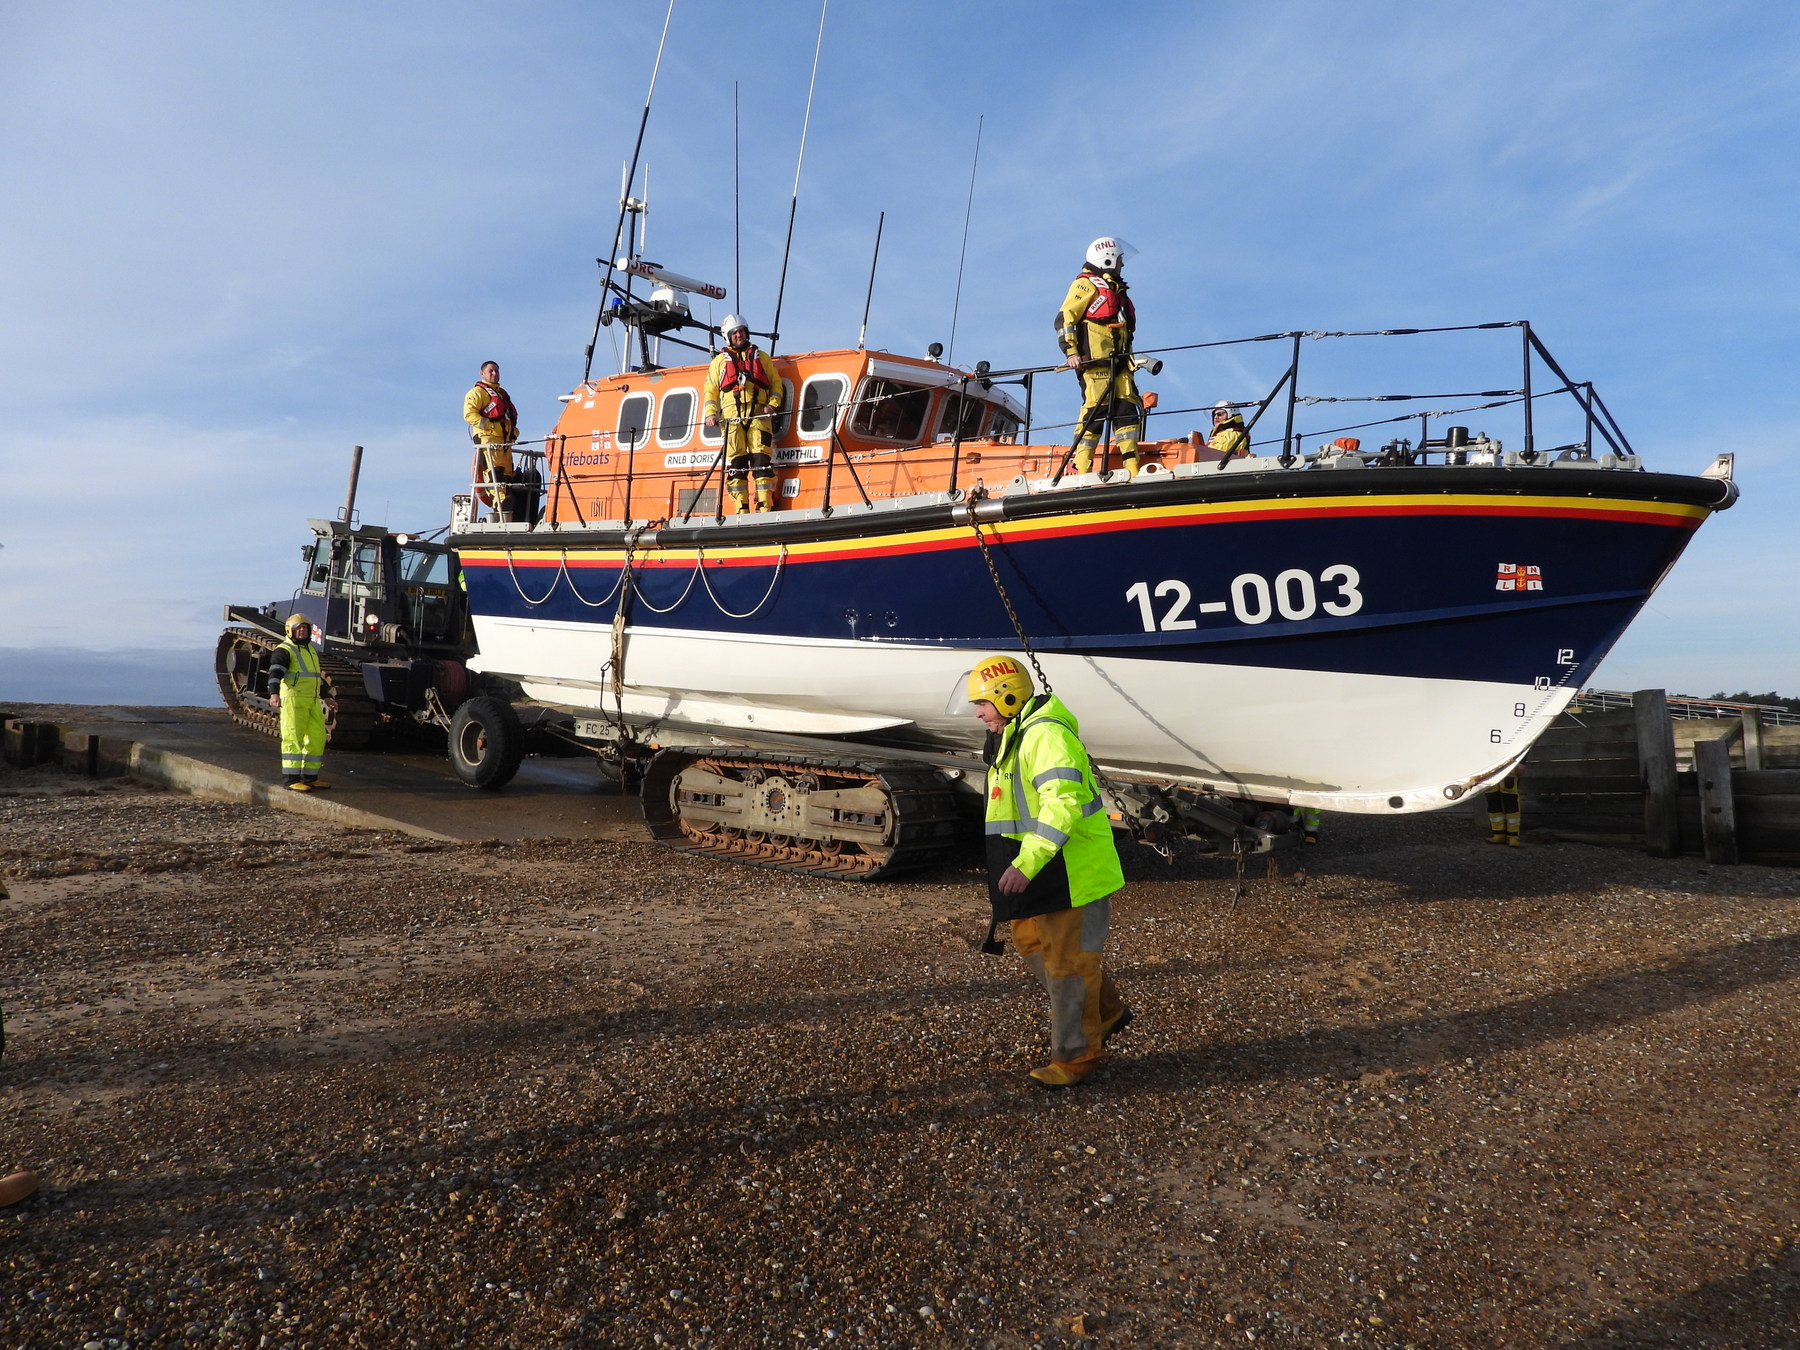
{"points": [[1363, 743]]}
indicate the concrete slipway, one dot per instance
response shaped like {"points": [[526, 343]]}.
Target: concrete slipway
{"points": [[411, 789]]}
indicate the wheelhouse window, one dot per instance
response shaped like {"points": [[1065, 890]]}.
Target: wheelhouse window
{"points": [[819, 403], [778, 424], [677, 421], [890, 411], [1004, 427], [634, 421], [961, 419]]}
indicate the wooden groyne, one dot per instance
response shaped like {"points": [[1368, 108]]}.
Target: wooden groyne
{"points": [[1725, 787]]}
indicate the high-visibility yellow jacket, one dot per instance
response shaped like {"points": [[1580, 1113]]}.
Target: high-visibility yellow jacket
{"points": [[740, 384], [1097, 317], [295, 667], [1229, 437], [1043, 794], [501, 430]]}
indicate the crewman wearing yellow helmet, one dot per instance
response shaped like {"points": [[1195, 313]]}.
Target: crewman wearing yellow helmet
{"points": [[296, 691], [743, 390], [1051, 860], [1095, 328]]}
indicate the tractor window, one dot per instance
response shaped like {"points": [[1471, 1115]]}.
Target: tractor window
{"points": [[890, 411], [819, 402], [677, 421], [360, 567], [425, 567], [634, 421], [425, 575], [961, 408], [318, 566]]}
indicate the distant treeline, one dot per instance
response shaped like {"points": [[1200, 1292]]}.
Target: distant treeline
{"points": [[1772, 700]]}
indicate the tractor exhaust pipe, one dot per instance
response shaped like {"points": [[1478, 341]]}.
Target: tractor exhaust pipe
{"points": [[355, 473]]}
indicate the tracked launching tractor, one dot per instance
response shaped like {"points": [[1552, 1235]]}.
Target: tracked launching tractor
{"points": [[391, 622]]}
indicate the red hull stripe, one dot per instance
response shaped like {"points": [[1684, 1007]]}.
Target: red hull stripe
{"points": [[1107, 522]]}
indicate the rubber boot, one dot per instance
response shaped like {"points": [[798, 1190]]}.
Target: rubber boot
{"points": [[317, 784], [19, 1186], [765, 496], [299, 785], [740, 498], [1125, 1018], [1128, 453], [1057, 1075], [1084, 454]]}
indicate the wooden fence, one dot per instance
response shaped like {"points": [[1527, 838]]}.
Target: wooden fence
{"points": [[1728, 789]]}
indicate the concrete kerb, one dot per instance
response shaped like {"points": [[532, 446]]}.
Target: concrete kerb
{"points": [[184, 773]]}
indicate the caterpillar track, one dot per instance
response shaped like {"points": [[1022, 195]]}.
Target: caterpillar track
{"points": [[852, 820], [241, 664]]}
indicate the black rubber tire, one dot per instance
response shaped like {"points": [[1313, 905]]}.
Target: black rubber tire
{"points": [[486, 743]]}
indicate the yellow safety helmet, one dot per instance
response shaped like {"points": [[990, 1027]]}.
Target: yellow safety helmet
{"points": [[296, 620], [1001, 681]]}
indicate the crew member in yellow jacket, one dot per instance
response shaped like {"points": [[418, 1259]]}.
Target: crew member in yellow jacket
{"points": [[743, 391], [1051, 861], [493, 426], [1229, 435], [296, 691], [1095, 327]]}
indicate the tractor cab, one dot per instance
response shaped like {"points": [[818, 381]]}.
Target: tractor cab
{"points": [[368, 591]]}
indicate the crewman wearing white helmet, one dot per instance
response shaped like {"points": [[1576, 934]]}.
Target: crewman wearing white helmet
{"points": [[744, 392], [1095, 327], [297, 693], [1229, 435], [1051, 860]]}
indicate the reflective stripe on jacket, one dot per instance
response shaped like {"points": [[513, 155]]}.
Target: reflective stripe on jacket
{"points": [[1042, 793], [295, 667]]}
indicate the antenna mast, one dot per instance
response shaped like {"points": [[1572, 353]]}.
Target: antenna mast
{"points": [[737, 207], [968, 210], [869, 299], [612, 254], [794, 205]]}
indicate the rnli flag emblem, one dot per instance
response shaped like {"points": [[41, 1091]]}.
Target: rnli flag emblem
{"points": [[1518, 577]]}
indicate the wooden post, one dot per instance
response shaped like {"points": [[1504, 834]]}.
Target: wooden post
{"points": [[1656, 772], [1718, 812], [1753, 738]]}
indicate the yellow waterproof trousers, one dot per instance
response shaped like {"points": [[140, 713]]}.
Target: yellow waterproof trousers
{"points": [[1104, 392], [302, 734], [1065, 951]]}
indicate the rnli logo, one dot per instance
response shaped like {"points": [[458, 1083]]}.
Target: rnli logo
{"points": [[1518, 577], [999, 669]]}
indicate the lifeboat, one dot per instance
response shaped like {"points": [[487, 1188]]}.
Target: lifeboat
{"points": [[1311, 625]]}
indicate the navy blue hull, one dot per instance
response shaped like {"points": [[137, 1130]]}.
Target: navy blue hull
{"points": [[1376, 577]]}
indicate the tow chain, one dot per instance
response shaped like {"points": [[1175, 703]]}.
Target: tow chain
{"points": [[1132, 823]]}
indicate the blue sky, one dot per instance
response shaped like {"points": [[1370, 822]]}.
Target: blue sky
{"points": [[236, 239]]}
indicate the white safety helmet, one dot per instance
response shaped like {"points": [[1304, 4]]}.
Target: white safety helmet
{"points": [[731, 325], [1224, 406], [1109, 254]]}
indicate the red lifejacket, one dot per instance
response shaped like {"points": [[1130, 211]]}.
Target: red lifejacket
{"points": [[737, 370], [1110, 302], [499, 405]]}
